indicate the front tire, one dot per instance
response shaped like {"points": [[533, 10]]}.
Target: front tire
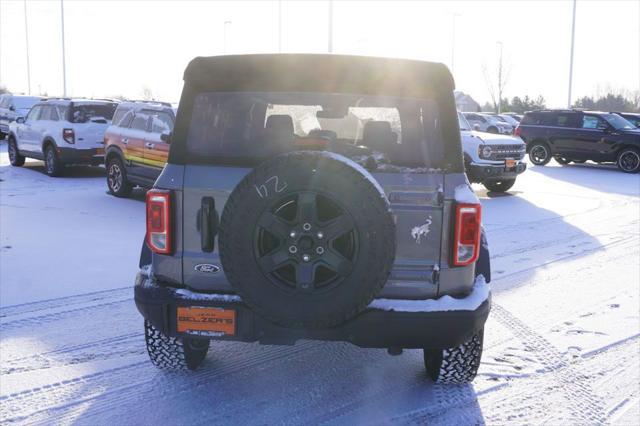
{"points": [[502, 185], [629, 160], [52, 164], [117, 181], [174, 353], [15, 158], [457, 365], [539, 153]]}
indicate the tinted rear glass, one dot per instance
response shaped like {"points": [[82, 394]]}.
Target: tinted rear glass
{"points": [[82, 113], [254, 126]]}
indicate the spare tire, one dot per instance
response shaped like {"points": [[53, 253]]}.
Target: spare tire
{"points": [[307, 239]]}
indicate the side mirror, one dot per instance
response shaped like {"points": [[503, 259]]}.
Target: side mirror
{"points": [[165, 137], [12, 108], [20, 120], [476, 127]]}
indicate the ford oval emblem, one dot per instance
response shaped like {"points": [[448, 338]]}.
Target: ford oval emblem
{"points": [[207, 268]]}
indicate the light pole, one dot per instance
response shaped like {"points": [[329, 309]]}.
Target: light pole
{"points": [[453, 39], [330, 42], [500, 78], [279, 26], [26, 36], [573, 36], [64, 58], [226, 23]]}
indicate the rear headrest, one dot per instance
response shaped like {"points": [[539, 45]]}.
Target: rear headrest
{"points": [[281, 122], [378, 135]]}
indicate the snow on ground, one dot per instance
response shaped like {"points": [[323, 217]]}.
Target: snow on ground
{"points": [[562, 344]]}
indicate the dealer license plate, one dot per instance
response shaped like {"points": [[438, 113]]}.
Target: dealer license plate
{"points": [[204, 320]]}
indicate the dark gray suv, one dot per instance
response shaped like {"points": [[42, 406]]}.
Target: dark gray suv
{"points": [[315, 197]]}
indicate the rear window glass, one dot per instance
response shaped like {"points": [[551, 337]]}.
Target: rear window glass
{"points": [[82, 113], [20, 102], [161, 122], [254, 126], [117, 116]]}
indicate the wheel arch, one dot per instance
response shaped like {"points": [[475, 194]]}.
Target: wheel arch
{"points": [[48, 140]]}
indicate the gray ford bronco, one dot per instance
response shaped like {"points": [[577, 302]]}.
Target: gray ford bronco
{"points": [[315, 197]]}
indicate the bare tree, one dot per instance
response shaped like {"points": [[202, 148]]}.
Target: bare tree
{"points": [[498, 81]]}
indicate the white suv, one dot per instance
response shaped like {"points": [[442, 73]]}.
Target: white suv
{"points": [[61, 132]]}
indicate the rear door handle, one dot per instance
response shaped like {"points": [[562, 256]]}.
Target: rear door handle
{"points": [[125, 141], [208, 224], [149, 145]]}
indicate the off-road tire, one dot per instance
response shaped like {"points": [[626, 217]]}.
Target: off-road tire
{"points": [[539, 153], [52, 164], [457, 365], [117, 180], [629, 160], [502, 185], [2, 136], [173, 353], [561, 160], [15, 158], [308, 305]]}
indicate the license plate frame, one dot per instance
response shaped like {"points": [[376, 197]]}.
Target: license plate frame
{"points": [[206, 320]]}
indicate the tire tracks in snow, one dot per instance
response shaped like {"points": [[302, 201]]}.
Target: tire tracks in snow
{"points": [[586, 407]]}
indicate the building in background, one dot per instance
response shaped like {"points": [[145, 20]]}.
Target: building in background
{"points": [[465, 103]]}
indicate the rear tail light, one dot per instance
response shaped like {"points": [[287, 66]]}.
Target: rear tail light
{"points": [[159, 238], [69, 136], [517, 131], [466, 241]]}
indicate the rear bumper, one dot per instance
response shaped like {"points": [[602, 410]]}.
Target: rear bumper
{"points": [[92, 156], [385, 323], [483, 172]]}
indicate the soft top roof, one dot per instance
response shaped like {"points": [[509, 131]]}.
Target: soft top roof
{"points": [[319, 73]]}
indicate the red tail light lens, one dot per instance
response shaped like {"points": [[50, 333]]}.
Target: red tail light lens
{"points": [[517, 131], [69, 136], [466, 243], [159, 237]]}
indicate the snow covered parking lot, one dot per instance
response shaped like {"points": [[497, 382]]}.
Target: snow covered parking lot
{"points": [[562, 344]]}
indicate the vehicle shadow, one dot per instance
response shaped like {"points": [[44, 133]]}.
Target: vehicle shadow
{"points": [[525, 235], [69, 171], [309, 383], [600, 177]]}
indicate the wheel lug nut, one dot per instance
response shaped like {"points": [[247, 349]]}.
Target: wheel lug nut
{"points": [[320, 235], [319, 250], [306, 257], [293, 249], [292, 234], [306, 227]]}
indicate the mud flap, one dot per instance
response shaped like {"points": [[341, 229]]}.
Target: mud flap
{"points": [[483, 265]]}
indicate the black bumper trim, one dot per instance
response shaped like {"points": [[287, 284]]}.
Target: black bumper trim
{"points": [[80, 156], [480, 173], [372, 328]]}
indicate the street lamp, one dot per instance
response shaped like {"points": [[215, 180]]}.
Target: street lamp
{"points": [[573, 36], [64, 60], [330, 41], [26, 36], [500, 78], [453, 39]]}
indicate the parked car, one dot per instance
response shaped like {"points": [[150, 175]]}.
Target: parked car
{"points": [[61, 132], [633, 118], [274, 221], [12, 107], [137, 145], [505, 118], [577, 136], [492, 160], [513, 115], [487, 123]]}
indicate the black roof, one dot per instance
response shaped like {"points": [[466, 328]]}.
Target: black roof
{"points": [[319, 73]]}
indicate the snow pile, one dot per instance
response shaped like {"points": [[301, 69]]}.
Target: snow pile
{"points": [[183, 293], [478, 295], [465, 195]]}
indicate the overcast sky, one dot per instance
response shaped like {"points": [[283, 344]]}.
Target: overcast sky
{"points": [[118, 47]]}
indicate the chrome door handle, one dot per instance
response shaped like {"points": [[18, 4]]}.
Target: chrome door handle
{"points": [[125, 141], [149, 145]]}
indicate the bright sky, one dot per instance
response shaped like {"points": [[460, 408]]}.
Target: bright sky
{"points": [[117, 47]]}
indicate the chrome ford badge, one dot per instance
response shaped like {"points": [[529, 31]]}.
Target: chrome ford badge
{"points": [[207, 268]]}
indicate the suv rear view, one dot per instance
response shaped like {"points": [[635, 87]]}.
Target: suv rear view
{"points": [[300, 206]]}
